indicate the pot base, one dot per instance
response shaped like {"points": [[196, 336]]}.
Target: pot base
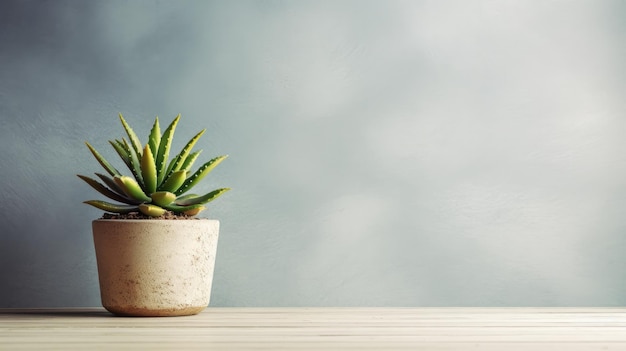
{"points": [[129, 311]]}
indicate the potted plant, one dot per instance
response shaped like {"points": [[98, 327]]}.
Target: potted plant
{"points": [[154, 256]]}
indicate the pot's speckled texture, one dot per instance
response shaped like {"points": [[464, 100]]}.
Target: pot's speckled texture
{"points": [[155, 267]]}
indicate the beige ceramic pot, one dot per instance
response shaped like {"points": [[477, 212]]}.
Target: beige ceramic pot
{"points": [[155, 267]]}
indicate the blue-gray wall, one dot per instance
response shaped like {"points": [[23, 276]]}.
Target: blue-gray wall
{"points": [[382, 153]]}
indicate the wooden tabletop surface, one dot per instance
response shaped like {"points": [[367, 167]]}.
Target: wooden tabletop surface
{"points": [[320, 329]]}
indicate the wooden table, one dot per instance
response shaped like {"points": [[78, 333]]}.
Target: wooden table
{"points": [[320, 329]]}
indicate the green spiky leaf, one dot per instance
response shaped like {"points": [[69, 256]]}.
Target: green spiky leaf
{"points": [[174, 181], [182, 155], [134, 140], [200, 173], [151, 210], [135, 165], [113, 208], [121, 150], [194, 211], [155, 137], [106, 191], [131, 188], [110, 183], [148, 171], [164, 150], [168, 172], [200, 200], [185, 209], [180, 199], [163, 198], [103, 162], [190, 160]]}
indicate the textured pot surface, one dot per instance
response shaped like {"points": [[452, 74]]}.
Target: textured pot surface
{"points": [[155, 267]]}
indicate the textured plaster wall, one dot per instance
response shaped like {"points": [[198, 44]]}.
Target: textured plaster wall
{"points": [[382, 153]]}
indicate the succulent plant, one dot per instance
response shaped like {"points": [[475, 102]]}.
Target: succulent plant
{"points": [[156, 186]]}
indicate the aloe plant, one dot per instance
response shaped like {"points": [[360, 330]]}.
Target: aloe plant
{"points": [[155, 186]]}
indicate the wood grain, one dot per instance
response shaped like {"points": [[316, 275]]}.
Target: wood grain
{"points": [[320, 329]]}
